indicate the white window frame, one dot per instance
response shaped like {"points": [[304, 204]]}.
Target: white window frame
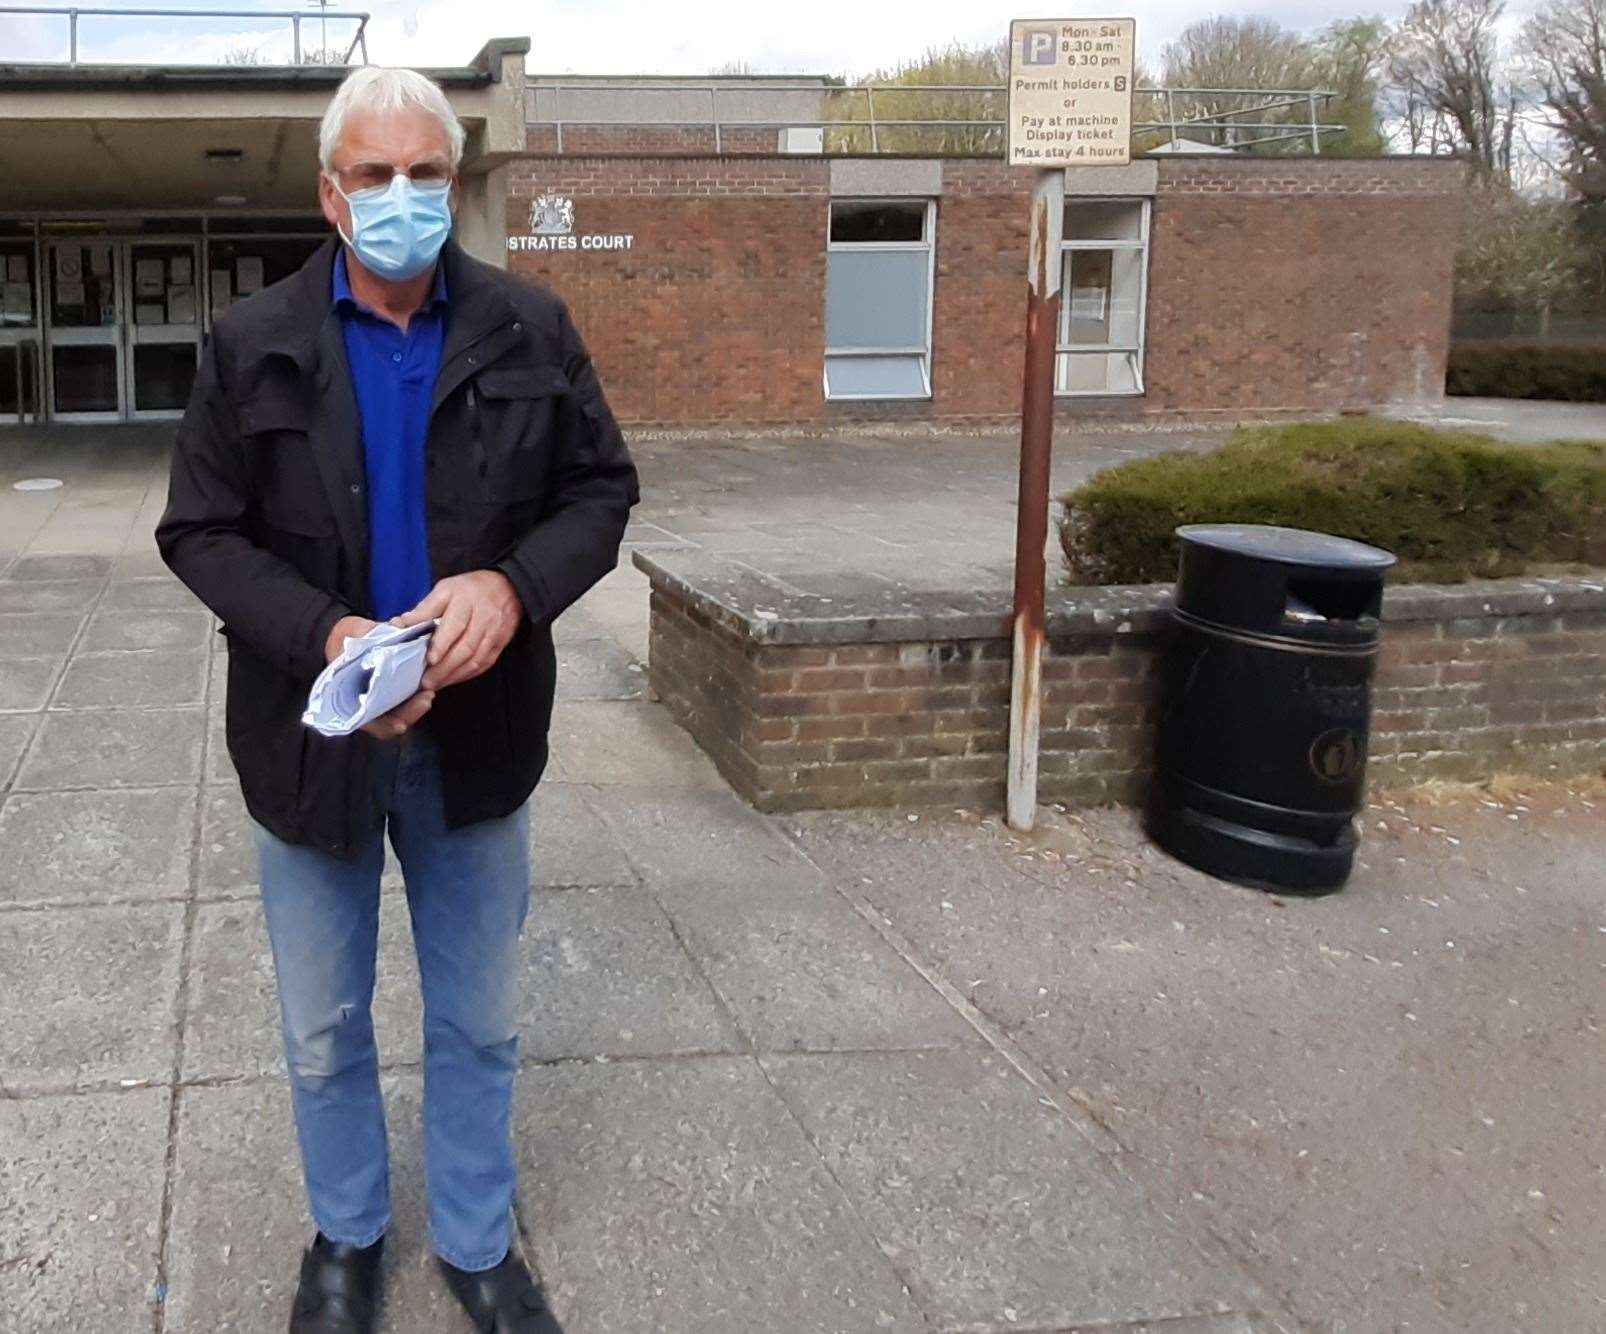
{"points": [[929, 245], [1064, 348]]}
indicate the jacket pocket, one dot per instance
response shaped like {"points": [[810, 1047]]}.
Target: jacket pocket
{"points": [[286, 486], [515, 411]]}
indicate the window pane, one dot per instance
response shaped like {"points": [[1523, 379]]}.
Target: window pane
{"points": [[875, 377], [1102, 296], [876, 298], [1104, 220], [1097, 373], [86, 378], [163, 375], [902, 221]]}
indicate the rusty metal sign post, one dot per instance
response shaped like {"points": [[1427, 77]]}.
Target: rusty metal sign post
{"points": [[1070, 105]]}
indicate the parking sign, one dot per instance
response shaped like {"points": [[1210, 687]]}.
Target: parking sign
{"points": [[1070, 92]]}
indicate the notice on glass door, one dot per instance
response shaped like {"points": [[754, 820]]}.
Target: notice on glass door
{"points": [[181, 305], [16, 303], [100, 261], [149, 278], [16, 268]]}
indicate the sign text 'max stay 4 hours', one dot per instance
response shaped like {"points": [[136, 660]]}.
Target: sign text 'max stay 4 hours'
{"points": [[1070, 92]]}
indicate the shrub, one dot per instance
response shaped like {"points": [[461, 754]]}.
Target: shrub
{"points": [[1451, 505], [1573, 372]]}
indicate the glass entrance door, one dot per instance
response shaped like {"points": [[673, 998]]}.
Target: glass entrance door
{"points": [[162, 325], [85, 369]]}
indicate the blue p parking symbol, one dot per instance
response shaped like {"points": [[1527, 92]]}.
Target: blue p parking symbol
{"points": [[1037, 46]]}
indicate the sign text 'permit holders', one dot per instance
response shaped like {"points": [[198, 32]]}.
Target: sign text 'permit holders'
{"points": [[1070, 92]]}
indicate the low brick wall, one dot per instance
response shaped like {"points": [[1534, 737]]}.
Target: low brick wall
{"points": [[903, 700]]}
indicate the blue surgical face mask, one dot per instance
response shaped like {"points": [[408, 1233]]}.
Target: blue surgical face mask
{"points": [[400, 228]]}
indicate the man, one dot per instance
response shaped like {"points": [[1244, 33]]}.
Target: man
{"points": [[397, 432]]}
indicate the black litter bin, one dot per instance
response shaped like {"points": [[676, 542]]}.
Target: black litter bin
{"points": [[1267, 704]]}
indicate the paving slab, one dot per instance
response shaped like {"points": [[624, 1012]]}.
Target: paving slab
{"points": [[679, 1197], [570, 843], [232, 1023], [184, 630], [16, 730], [114, 748], [694, 838], [59, 567], [80, 1210], [801, 969], [52, 595], [599, 669], [163, 593], [233, 1268], [228, 859], [628, 744], [62, 847], [995, 1208], [137, 680], [604, 975], [38, 634], [26, 683], [88, 995]]}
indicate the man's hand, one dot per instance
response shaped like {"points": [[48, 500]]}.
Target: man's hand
{"points": [[391, 725], [478, 613]]}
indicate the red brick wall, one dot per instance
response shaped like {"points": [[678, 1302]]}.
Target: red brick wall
{"points": [[1299, 285], [717, 311], [1312, 285], [794, 727]]}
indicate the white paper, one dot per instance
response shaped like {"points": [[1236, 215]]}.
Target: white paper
{"points": [[248, 268], [222, 291], [69, 293], [373, 675], [16, 268], [149, 279], [150, 312], [181, 305], [69, 262], [16, 302], [178, 270], [100, 260]]}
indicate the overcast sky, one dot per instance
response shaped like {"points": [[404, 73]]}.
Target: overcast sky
{"points": [[851, 37]]}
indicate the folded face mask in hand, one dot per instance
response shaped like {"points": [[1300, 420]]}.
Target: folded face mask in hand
{"points": [[374, 674]]}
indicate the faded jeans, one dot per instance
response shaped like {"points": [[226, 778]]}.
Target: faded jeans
{"points": [[467, 892]]}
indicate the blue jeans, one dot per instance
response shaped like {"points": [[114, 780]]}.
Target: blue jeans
{"points": [[467, 892]]}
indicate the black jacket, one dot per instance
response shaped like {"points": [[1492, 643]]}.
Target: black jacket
{"points": [[267, 522]]}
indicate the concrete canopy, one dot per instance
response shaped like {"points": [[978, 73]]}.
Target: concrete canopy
{"points": [[174, 137]]}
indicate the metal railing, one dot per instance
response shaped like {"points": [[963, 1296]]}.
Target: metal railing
{"points": [[294, 17], [1238, 127]]}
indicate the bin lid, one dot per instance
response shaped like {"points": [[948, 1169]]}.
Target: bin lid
{"points": [[1288, 546]]}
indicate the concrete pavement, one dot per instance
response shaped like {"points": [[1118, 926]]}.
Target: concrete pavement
{"points": [[833, 1073]]}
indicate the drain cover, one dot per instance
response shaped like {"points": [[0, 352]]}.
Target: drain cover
{"points": [[37, 484]]}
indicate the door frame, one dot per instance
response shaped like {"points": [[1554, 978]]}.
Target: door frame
{"points": [[82, 335], [125, 334]]}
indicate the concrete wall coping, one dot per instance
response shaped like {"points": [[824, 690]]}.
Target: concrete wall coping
{"points": [[856, 609]]}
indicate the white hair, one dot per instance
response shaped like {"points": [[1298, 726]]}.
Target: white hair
{"points": [[380, 89]]}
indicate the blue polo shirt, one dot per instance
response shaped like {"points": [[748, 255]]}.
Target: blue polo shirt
{"points": [[393, 374]]}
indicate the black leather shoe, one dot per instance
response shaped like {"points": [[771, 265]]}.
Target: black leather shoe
{"points": [[339, 1289], [504, 1300]]}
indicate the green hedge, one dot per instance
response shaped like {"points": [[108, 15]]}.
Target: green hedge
{"points": [[1573, 372], [1451, 505]]}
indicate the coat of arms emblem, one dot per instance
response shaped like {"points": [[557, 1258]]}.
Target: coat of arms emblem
{"points": [[552, 215]]}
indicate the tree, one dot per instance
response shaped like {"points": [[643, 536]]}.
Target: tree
{"points": [[1351, 59], [1518, 253], [1455, 93], [904, 94], [1252, 54], [1565, 52]]}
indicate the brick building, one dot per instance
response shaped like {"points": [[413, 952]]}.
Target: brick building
{"points": [[759, 288], [734, 249]]}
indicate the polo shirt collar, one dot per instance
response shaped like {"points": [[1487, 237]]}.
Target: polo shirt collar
{"points": [[342, 294]]}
